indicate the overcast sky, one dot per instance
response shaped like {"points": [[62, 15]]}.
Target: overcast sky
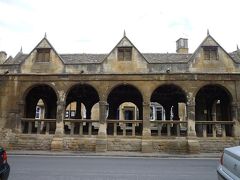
{"points": [[96, 26]]}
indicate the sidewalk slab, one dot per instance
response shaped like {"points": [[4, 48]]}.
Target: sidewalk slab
{"points": [[113, 154]]}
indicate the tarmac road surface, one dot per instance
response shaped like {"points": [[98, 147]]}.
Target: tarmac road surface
{"points": [[44, 167]]}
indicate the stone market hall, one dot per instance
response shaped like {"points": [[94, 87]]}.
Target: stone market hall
{"points": [[124, 100]]}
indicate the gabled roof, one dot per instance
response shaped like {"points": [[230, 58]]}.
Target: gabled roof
{"points": [[49, 46], [205, 43], [152, 58], [125, 42]]}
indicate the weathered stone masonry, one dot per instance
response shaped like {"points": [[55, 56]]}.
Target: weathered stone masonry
{"points": [[206, 82]]}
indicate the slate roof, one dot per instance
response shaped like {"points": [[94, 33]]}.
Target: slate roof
{"points": [[166, 57], [152, 58], [82, 58], [16, 60], [236, 56]]}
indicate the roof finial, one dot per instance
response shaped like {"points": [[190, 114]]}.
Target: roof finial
{"points": [[21, 50], [208, 32], [45, 35], [124, 33], [237, 48]]}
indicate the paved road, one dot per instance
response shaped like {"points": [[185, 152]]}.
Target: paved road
{"points": [[109, 168]]}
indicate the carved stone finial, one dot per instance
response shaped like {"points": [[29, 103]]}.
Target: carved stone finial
{"points": [[45, 35], [237, 48], [208, 32], [21, 50], [124, 33]]}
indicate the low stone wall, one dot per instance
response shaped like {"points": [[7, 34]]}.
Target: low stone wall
{"points": [[11, 140], [208, 145], [5, 136], [79, 144], [124, 144], [168, 145], [175, 145], [32, 142]]}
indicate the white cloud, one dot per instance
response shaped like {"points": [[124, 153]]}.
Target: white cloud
{"points": [[94, 26]]}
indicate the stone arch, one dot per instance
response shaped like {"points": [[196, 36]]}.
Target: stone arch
{"points": [[123, 84], [169, 95], [26, 91], [124, 93], [40, 91], [195, 92], [213, 103], [129, 111], [82, 93]]}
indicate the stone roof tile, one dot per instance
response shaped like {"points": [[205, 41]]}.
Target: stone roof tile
{"points": [[166, 57], [154, 58], [82, 58], [236, 56], [16, 60]]}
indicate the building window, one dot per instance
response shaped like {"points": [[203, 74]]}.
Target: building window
{"points": [[210, 53], [66, 114], [124, 53], [38, 112], [43, 55], [72, 113]]}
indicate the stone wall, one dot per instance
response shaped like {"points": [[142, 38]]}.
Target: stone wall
{"points": [[124, 144], [167, 145], [208, 145], [178, 145], [79, 144], [13, 141]]}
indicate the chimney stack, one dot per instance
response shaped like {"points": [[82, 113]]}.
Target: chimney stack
{"points": [[182, 46], [3, 57]]}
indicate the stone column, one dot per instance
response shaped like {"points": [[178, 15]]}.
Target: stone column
{"points": [[167, 108], [101, 141], [236, 118], [191, 132], [60, 117], [88, 112], [19, 127], [78, 110], [57, 142], [146, 120], [193, 143], [147, 145]]}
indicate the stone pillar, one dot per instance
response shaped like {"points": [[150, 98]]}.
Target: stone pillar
{"points": [[78, 110], [175, 112], [146, 120], [193, 143], [167, 108], [101, 141], [19, 128], [147, 145], [57, 142], [236, 118], [88, 112], [191, 132]]}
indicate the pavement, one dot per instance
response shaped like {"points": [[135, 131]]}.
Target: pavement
{"points": [[112, 154]]}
